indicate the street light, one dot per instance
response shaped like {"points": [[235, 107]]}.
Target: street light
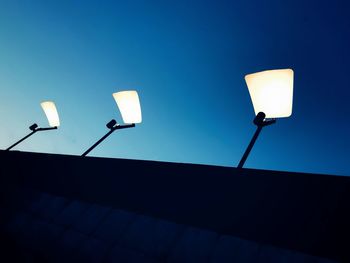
{"points": [[52, 117], [129, 106], [271, 92]]}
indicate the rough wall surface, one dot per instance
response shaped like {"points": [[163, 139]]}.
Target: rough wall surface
{"points": [[49, 228], [63, 208]]}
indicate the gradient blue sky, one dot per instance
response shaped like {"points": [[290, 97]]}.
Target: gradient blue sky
{"points": [[187, 59]]}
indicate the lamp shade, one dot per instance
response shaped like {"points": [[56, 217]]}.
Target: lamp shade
{"points": [[271, 92], [129, 105], [51, 113]]}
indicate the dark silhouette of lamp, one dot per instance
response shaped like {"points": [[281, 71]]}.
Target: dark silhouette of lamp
{"points": [[129, 106], [52, 116], [271, 92]]}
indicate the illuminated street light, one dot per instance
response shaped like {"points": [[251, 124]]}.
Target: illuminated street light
{"points": [[271, 92], [52, 117], [129, 106]]}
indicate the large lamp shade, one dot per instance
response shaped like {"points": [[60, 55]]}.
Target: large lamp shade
{"points": [[271, 92], [129, 105], [51, 113]]}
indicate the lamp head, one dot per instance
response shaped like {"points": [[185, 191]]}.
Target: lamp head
{"points": [[51, 113], [129, 105], [271, 92], [33, 127], [111, 124], [259, 119]]}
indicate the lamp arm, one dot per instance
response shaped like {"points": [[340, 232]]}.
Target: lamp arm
{"points": [[119, 127], [268, 122], [47, 129]]}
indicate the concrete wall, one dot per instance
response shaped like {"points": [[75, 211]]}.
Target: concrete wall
{"points": [[208, 207], [50, 228]]}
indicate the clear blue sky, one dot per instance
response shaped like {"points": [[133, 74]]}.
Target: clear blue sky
{"points": [[187, 59]]}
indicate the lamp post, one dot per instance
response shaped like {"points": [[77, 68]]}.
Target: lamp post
{"points": [[271, 92], [129, 106], [52, 117]]}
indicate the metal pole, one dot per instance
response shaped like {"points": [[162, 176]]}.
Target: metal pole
{"points": [[250, 146], [118, 127], [21, 140], [98, 142], [34, 130]]}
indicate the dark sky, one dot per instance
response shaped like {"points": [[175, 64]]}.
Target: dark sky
{"points": [[187, 59]]}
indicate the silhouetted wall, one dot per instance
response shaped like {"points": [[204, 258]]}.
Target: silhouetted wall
{"points": [[303, 212]]}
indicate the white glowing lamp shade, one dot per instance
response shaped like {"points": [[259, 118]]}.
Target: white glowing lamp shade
{"points": [[129, 106], [271, 92], [51, 113]]}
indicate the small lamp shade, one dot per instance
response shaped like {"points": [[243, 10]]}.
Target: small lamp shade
{"points": [[51, 113], [271, 92], [129, 105]]}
